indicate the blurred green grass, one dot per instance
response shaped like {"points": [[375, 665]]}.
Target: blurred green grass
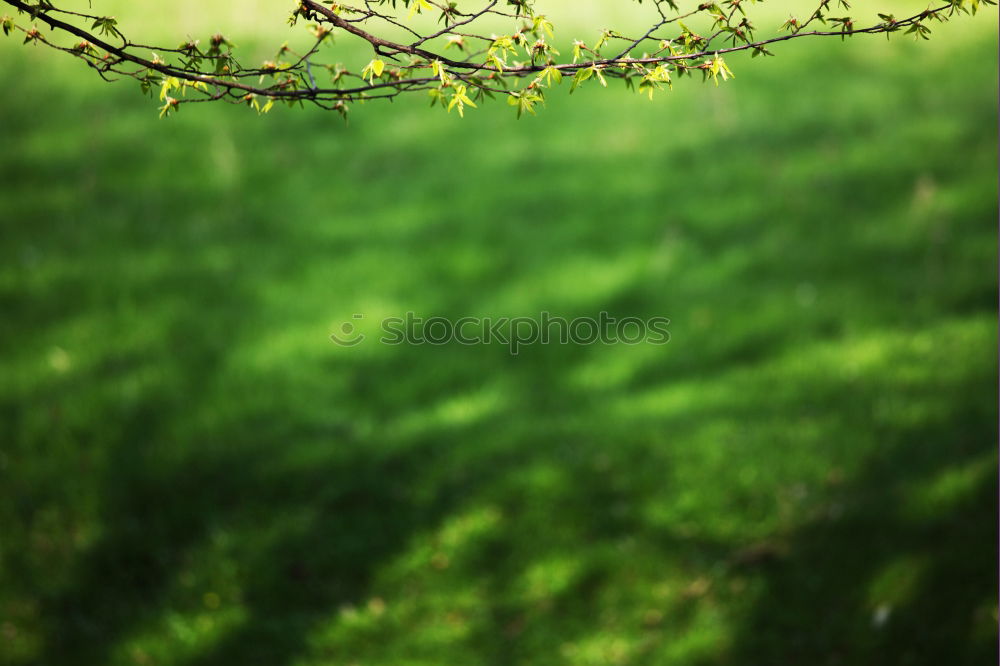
{"points": [[191, 473]]}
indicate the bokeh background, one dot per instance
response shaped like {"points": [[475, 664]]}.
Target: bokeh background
{"points": [[192, 473]]}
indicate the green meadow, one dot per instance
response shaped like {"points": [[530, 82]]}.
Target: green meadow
{"points": [[192, 473]]}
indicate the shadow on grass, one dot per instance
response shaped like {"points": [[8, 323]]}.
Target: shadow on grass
{"points": [[316, 513]]}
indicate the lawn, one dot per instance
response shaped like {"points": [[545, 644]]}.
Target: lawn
{"points": [[191, 472]]}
